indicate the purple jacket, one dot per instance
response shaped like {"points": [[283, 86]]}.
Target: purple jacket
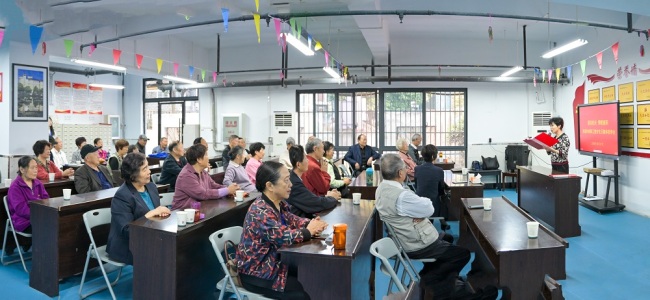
{"points": [[18, 197], [190, 188]]}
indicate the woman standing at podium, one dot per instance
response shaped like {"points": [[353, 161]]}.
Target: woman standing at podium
{"points": [[559, 152]]}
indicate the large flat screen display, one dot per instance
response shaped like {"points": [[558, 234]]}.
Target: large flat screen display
{"points": [[598, 130]]}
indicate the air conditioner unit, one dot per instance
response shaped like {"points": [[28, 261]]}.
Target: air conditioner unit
{"points": [[540, 122], [285, 124]]}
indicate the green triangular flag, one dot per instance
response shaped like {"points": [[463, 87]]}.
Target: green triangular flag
{"points": [[299, 31], [583, 65], [68, 47], [543, 75], [292, 23], [202, 75]]}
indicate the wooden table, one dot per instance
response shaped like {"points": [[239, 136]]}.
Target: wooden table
{"points": [[171, 262], [460, 190], [359, 185], [551, 200], [326, 273], [444, 165], [59, 238], [54, 189], [505, 256]]}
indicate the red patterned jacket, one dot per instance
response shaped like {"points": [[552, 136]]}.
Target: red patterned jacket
{"points": [[265, 231]]}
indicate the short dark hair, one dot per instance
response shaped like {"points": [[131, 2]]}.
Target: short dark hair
{"points": [[235, 151], [359, 136], [557, 121], [24, 161], [163, 138], [327, 146], [96, 140], [194, 153], [268, 172], [39, 147], [121, 143], [173, 145], [131, 165], [296, 155], [131, 149], [429, 152], [256, 147], [233, 137], [80, 140], [197, 140]]}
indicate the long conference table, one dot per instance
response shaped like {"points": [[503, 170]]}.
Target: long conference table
{"points": [[504, 255], [59, 238]]}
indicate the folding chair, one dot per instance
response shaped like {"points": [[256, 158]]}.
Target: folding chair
{"points": [[92, 219], [155, 178], [10, 227], [166, 199], [411, 268], [384, 249], [218, 239]]}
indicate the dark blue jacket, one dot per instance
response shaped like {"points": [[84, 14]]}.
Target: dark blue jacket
{"points": [[430, 182], [303, 202], [170, 171], [354, 155], [127, 206]]}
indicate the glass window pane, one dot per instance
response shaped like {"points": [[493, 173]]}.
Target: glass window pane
{"points": [[366, 117], [325, 116], [171, 116], [402, 116], [151, 124], [192, 112], [306, 115], [346, 125], [445, 118]]}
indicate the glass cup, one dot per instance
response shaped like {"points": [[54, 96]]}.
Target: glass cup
{"points": [[51, 176], [339, 236], [191, 215], [487, 203], [66, 194], [181, 218], [356, 198], [239, 195], [197, 206], [533, 229]]}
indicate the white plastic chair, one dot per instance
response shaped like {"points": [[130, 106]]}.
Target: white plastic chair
{"points": [[410, 268], [218, 239], [10, 227], [92, 219], [166, 199], [155, 178], [385, 249]]}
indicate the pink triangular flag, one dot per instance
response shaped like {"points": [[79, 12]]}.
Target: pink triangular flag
{"points": [[284, 43], [550, 74], [599, 59], [175, 69], [214, 76], [138, 60], [278, 28], [327, 59], [2, 36], [116, 56], [534, 80], [615, 51], [92, 49]]}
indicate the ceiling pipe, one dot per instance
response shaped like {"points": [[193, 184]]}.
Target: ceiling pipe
{"points": [[398, 13], [525, 60]]}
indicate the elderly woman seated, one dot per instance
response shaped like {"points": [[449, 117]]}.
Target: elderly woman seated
{"points": [[136, 197], [235, 172], [25, 188], [268, 226], [403, 146]]}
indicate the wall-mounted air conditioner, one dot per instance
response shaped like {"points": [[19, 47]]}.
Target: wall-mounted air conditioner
{"points": [[539, 121], [285, 124]]}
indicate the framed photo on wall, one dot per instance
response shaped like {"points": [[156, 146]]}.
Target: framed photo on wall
{"points": [[29, 103]]}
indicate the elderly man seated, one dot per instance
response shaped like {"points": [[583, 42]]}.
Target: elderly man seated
{"points": [[408, 214]]}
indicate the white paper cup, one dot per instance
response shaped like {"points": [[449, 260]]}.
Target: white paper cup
{"points": [[51, 176], [239, 195], [66, 194], [533, 229], [356, 198], [190, 215], [7, 182], [77, 162], [465, 171], [181, 218], [487, 203]]}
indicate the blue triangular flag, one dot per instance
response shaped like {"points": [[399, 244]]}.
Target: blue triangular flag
{"points": [[568, 72], [224, 13], [191, 71], [35, 33]]}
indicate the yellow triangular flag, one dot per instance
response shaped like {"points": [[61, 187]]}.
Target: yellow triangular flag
{"points": [[257, 26], [557, 75], [159, 63], [257, 5], [318, 46]]}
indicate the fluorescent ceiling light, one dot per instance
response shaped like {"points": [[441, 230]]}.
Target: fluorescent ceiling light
{"points": [[332, 72], [570, 46], [511, 71], [296, 43], [107, 86], [99, 65], [179, 79]]}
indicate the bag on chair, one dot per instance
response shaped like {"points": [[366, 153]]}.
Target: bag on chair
{"points": [[231, 261], [490, 163]]}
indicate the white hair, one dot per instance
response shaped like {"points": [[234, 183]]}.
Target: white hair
{"points": [[401, 142]]}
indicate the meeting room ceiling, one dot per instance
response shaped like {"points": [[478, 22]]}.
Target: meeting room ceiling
{"points": [[107, 19]]}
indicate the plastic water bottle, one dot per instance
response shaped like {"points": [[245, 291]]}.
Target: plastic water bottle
{"points": [[369, 174]]}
